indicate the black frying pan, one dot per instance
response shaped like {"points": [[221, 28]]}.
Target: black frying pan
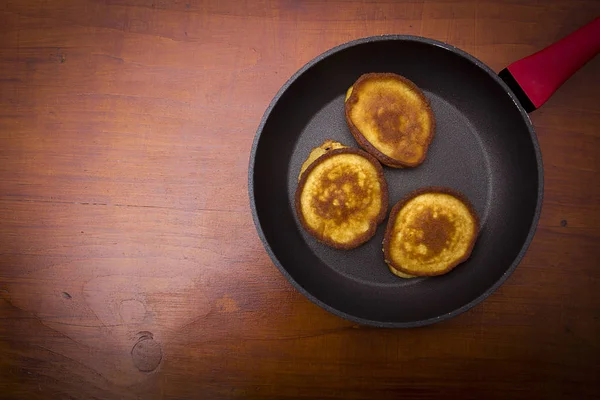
{"points": [[484, 147]]}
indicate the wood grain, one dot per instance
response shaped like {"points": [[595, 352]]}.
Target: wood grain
{"points": [[129, 264]]}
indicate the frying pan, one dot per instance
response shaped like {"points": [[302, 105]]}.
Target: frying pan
{"points": [[484, 147]]}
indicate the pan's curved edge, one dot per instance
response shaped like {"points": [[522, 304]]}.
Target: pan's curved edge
{"points": [[472, 303]]}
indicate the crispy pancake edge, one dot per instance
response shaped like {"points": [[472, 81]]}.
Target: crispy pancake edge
{"points": [[364, 143], [373, 226], [400, 204]]}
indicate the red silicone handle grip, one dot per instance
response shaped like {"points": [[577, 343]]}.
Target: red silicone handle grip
{"points": [[540, 74]]}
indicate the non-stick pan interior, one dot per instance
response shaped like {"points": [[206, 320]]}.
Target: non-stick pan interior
{"points": [[484, 147]]}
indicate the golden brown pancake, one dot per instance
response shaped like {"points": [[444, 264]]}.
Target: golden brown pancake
{"points": [[390, 117], [342, 195], [429, 232], [318, 152], [400, 274]]}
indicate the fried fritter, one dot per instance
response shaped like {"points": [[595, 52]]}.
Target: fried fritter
{"points": [[430, 232], [317, 152], [390, 117], [342, 195]]}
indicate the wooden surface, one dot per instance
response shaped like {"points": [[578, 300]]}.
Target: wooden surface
{"points": [[129, 263]]}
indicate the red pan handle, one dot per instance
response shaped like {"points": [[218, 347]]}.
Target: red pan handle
{"points": [[535, 78]]}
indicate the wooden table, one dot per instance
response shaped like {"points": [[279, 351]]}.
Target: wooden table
{"points": [[129, 263]]}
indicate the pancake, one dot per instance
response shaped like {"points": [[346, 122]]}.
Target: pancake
{"points": [[342, 195], [390, 117], [430, 232], [318, 152], [400, 274]]}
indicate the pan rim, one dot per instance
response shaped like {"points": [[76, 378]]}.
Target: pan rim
{"points": [[489, 290]]}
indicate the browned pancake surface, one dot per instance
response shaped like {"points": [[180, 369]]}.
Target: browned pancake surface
{"points": [[341, 197], [429, 232], [390, 117]]}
